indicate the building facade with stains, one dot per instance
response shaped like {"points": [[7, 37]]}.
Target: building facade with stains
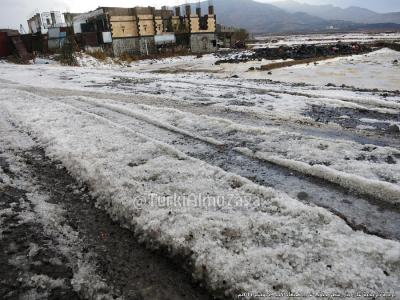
{"points": [[146, 30], [42, 22]]}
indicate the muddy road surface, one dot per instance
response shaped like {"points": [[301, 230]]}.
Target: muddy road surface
{"points": [[57, 244], [75, 251]]}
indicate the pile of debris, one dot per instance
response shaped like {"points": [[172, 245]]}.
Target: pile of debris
{"points": [[301, 52]]}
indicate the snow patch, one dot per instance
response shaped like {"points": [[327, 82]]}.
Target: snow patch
{"points": [[380, 190], [273, 241]]}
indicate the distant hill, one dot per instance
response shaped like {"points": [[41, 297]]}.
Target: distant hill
{"points": [[292, 16], [262, 17], [390, 17], [331, 12]]}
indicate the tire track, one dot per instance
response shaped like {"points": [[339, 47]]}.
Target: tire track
{"points": [[246, 118], [360, 212], [127, 268]]}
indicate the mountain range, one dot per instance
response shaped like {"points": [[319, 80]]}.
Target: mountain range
{"points": [[292, 16], [331, 12]]}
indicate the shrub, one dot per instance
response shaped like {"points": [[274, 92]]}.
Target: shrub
{"points": [[100, 55]]}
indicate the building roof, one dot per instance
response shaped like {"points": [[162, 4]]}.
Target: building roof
{"points": [[10, 32]]}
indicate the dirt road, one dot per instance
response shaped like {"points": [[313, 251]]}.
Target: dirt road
{"points": [[58, 243]]}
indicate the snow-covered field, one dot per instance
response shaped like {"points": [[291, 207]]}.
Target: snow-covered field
{"points": [[321, 39], [378, 69], [156, 141]]}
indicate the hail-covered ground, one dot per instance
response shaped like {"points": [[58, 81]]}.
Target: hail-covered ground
{"points": [[256, 184]]}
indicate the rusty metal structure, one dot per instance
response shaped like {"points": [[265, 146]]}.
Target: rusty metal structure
{"points": [[5, 44], [12, 44]]}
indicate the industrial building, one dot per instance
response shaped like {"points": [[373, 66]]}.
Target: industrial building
{"points": [[118, 31], [41, 22], [146, 30]]}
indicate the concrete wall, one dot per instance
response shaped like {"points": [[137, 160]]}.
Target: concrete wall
{"points": [[35, 24], [126, 45], [146, 25], [124, 26], [144, 10], [159, 25], [203, 42], [212, 23], [119, 11], [195, 24], [147, 44], [176, 21], [134, 46], [180, 25]]}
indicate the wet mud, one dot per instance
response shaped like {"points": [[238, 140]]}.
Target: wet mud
{"points": [[131, 269], [31, 266], [354, 118], [355, 209]]}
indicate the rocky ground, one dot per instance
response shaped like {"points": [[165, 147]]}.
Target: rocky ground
{"points": [[302, 52]]}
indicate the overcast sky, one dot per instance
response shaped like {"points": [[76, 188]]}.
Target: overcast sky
{"points": [[15, 12]]}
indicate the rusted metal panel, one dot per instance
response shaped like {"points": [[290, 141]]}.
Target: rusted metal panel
{"points": [[35, 43], [90, 39], [20, 47], [27, 39], [5, 48]]}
